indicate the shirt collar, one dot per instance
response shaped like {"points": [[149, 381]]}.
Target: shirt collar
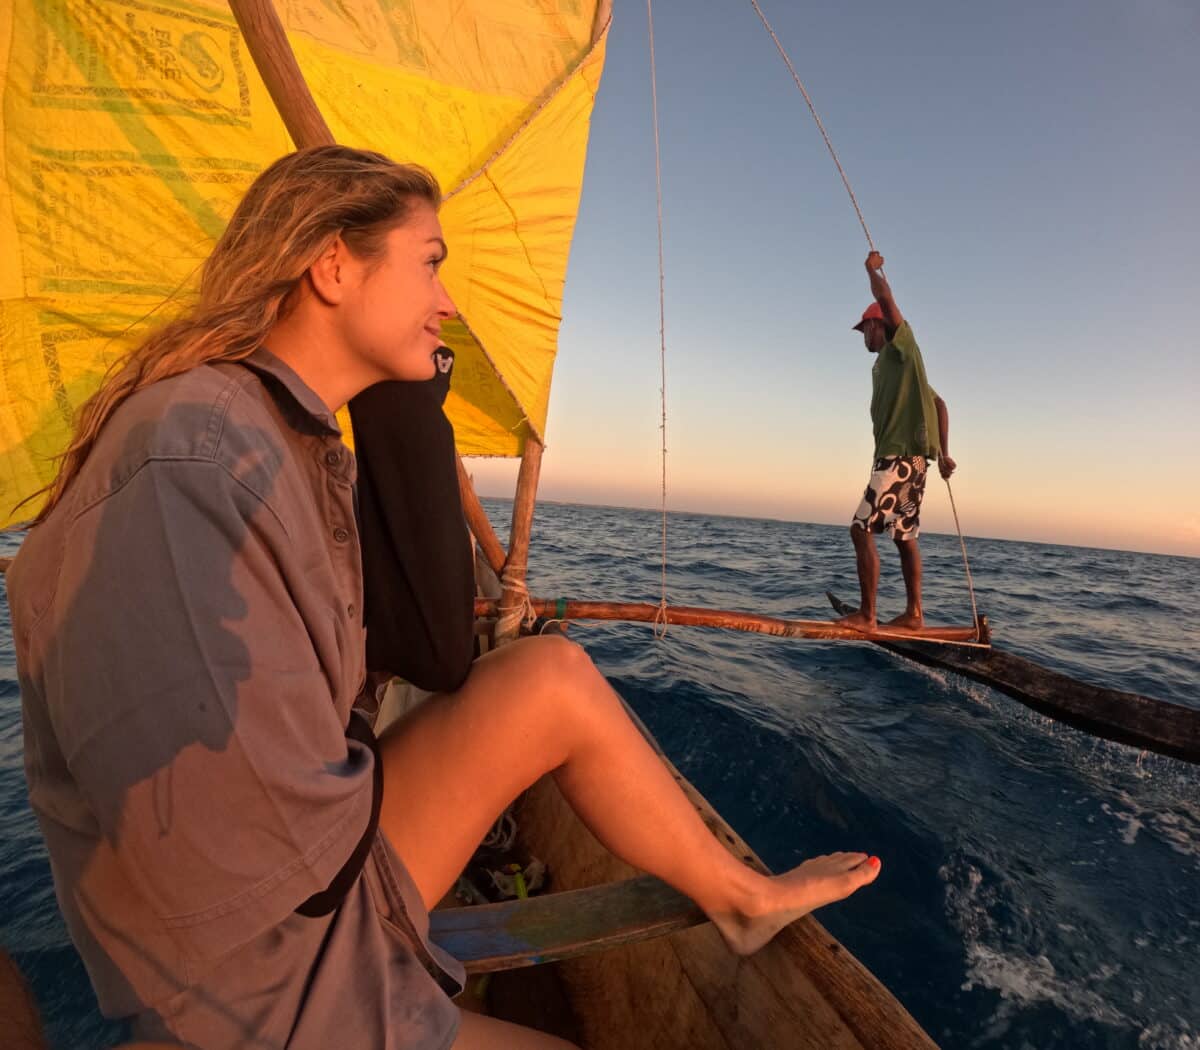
{"points": [[266, 363]]}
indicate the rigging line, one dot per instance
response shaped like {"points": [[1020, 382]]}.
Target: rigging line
{"points": [[966, 564], [660, 620], [821, 127]]}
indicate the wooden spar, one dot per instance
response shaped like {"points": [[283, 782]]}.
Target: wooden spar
{"points": [[516, 564], [273, 56], [691, 616], [525, 500], [1124, 718], [601, 19], [478, 521]]}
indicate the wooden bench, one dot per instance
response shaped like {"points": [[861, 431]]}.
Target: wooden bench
{"points": [[555, 926]]}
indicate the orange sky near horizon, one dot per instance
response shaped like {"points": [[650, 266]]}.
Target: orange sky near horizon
{"points": [[584, 476]]}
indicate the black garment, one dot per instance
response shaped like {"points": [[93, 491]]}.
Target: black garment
{"points": [[419, 585]]}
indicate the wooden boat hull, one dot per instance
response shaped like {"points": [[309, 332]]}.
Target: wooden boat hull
{"points": [[1125, 718], [803, 990]]}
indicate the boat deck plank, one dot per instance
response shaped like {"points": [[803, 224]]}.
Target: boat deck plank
{"points": [[560, 925]]}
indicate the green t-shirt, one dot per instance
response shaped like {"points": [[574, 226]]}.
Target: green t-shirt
{"points": [[902, 408]]}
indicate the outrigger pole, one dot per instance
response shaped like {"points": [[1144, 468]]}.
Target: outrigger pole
{"points": [[695, 616]]}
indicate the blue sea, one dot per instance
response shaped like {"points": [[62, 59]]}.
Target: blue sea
{"points": [[1040, 888]]}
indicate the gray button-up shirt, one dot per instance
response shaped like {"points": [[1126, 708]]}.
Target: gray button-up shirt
{"points": [[188, 626]]}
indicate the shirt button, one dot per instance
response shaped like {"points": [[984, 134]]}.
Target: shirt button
{"points": [[340, 534], [333, 458]]}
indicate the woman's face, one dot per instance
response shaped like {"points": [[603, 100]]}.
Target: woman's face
{"points": [[393, 316]]}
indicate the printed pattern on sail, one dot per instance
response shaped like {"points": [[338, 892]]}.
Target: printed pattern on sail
{"points": [[132, 127]]}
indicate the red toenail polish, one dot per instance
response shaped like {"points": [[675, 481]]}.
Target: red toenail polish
{"points": [[874, 860]]}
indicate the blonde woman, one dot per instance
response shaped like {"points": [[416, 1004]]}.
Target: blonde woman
{"points": [[239, 862]]}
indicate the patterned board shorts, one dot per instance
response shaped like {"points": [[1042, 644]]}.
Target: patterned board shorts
{"points": [[892, 502]]}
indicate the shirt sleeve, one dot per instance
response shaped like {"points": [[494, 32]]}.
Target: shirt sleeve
{"points": [[419, 580], [904, 342], [197, 720]]}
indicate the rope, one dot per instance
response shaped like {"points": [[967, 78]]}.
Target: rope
{"points": [[813, 110], [515, 614], [966, 564], [660, 619]]}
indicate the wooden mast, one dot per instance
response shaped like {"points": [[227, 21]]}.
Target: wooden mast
{"points": [[272, 54], [601, 19], [514, 596]]}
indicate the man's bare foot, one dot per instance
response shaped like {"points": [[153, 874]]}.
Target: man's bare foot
{"points": [[795, 893], [910, 621], [859, 620]]}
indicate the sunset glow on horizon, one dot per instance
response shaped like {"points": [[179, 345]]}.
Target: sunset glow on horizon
{"points": [[1036, 208]]}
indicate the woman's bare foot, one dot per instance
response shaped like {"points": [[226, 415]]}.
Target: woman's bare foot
{"points": [[910, 621], [795, 893], [859, 620]]}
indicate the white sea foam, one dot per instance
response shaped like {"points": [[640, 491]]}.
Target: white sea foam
{"points": [[1025, 980], [1131, 824], [1167, 1037], [1022, 978]]}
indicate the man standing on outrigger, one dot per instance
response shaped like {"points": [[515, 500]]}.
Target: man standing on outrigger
{"points": [[911, 424]]}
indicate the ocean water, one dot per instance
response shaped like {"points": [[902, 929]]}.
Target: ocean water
{"points": [[1039, 887]]}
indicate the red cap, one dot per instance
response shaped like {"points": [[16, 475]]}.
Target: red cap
{"points": [[873, 312]]}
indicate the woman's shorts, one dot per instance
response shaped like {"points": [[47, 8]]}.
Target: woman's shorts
{"points": [[892, 502]]}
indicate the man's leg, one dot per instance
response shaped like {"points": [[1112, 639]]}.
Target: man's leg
{"points": [[910, 566], [867, 559]]}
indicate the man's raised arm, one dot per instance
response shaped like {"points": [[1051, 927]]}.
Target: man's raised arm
{"points": [[882, 291]]}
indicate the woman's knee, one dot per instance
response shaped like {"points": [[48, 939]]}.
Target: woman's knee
{"points": [[559, 680], [553, 659]]}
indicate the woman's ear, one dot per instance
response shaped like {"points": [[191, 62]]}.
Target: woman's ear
{"points": [[330, 274]]}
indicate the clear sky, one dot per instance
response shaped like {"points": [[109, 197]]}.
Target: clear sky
{"points": [[1030, 173]]}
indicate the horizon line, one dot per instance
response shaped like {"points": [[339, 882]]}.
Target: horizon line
{"points": [[834, 525]]}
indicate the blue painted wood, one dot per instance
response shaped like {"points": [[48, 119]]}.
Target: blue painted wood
{"points": [[554, 926]]}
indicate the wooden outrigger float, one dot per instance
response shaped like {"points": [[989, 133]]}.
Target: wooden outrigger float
{"points": [[1113, 714]]}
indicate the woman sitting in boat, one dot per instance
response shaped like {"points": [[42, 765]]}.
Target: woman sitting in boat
{"points": [[239, 862]]}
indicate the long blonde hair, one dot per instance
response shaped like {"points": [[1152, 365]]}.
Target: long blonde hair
{"points": [[289, 216]]}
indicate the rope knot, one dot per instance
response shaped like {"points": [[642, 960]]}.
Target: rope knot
{"points": [[661, 620], [515, 610]]}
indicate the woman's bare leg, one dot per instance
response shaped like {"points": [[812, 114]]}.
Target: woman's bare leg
{"points": [[538, 706], [478, 1032]]}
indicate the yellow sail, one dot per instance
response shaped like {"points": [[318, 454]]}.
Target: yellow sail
{"points": [[132, 127]]}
